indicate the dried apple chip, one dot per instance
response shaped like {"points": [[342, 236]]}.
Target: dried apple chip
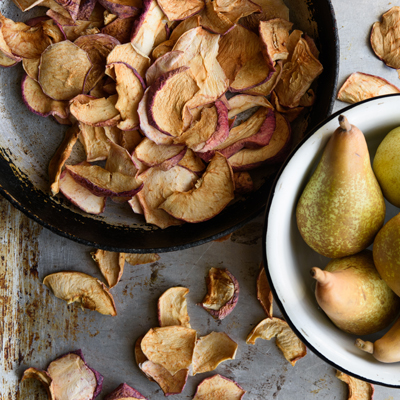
{"points": [[43, 377], [170, 346], [172, 307], [212, 350], [243, 183], [6, 61], [264, 293], [213, 20], [162, 49], [222, 293], [218, 387], [122, 8], [359, 86], [72, 6], [176, 10], [267, 87], [358, 389], [212, 193], [145, 258], [119, 160], [63, 69], [290, 114], [78, 287], [124, 392], [192, 162], [290, 345], [111, 265], [244, 102], [236, 9], [120, 29], [94, 141], [31, 67]]}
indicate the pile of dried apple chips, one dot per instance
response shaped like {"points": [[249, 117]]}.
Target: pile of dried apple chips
{"points": [[172, 101]]}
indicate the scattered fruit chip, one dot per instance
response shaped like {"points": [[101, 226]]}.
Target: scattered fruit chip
{"points": [[358, 390], [78, 287], [172, 307], [137, 259], [43, 377], [290, 345], [264, 293], [218, 387], [111, 265], [124, 392], [212, 350]]}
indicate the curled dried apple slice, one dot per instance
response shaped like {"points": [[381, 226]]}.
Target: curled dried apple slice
{"points": [[358, 389], [244, 102], [81, 28], [267, 87], [122, 8], [7, 62], [213, 20], [264, 293], [72, 6], [290, 114], [139, 355], [192, 162], [212, 193], [176, 10], [95, 112], [63, 69], [94, 141], [78, 287], [31, 67], [119, 160], [145, 258], [162, 49], [222, 293], [104, 183], [134, 203], [86, 9], [172, 307], [43, 377], [72, 378], [184, 26], [359, 86], [218, 387], [212, 350], [237, 9], [111, 265], [243, 182], [120, 29], [130, 139], [290, 345], [170, 346], [124, 392]]}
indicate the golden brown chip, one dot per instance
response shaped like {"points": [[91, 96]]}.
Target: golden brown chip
{"points": [[267, 87], [137, 259], [244, 102], [290, 345], [264, 293], [176, 10], [290, 113], [94, 141], [172, 307], [170, 346], [212, 350], [218, 387], [43, 377], [213, 20], [111, 265], [236, 9], [78, 287], [31, 67], [192, 162], [358, 390], [139, 355], [81, 28]]}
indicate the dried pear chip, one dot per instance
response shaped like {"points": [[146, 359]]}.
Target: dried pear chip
{"points": [[145, 258], [243, 183], [358, 389], [124, 392], [122, 8], [95, 112], [89, 292], [176, 10], [264, 293], [244, 102], [359, 86], [170, 346], [218, 387], [172, 307], [212, 193], [39, 103], [290, 345], [222, 293], [385, 37], [63, 69], [43, 377], [60, 157], [159, 185], [120, 29], [111, 265], [212, 350]]}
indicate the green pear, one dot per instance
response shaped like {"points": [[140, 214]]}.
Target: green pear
{"points": [[342, 207], [386, 166]]}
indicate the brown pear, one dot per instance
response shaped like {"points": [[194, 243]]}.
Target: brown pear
{"points": [[342, 207], [353, 295]]}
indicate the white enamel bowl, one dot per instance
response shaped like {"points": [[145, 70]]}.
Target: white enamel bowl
{"points": [[288, 258]]}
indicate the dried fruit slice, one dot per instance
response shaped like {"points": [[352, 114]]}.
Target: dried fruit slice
{"points": [[124, 392], [274, 152], [122, 8], [80, 196], [158, 185], [86, 9], [218, 387], [235, 10], [95, 112], [290, 345], [72, 6], [119, 160], [184, 26], [134, 203], [358, 389], [385, 38], [162, 49], [213, 20], [94, 141], [244, 102], [192, 162], [176, 10], [60, 157], [139, 355], [6, 61], [264, 293], [212, 350], [31, 67], [130, 139], [120, 29], [43, 377], [172, 307], [63, 69], [290, 114], [359, 86], [111, 265], [78, 287], [212, 193], [170, 346], [243, 183], [222, 293], [104, 183], [73, 378], [81, 28], [39, 103], [137, 259], [266, 88]]}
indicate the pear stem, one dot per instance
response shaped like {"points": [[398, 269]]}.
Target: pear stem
{"points": [[344, 123], [322, 277], [365, 346]]}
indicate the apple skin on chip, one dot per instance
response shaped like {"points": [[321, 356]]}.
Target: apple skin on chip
{"points": [[124, 392], [121, 8], [218, 387]]}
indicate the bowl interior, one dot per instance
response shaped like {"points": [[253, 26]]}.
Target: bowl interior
{"points": [[290, 259]]}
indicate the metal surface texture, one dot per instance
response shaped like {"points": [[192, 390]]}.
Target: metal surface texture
{"points": [[36, 327]]}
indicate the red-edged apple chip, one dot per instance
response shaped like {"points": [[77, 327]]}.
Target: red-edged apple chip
{"points": [[31, 67], [120, 29], [111, 265], [264, 293], [122, 8], [213, 20], [43, 377], [291, 346], [267, 87], [218, 387], [172, 307], [222, 293], [124, 392], [212, 193], [358, 389], [176, 10], [234, 10], [192, 162], [78, 287], [137, 259], [244, 102], [212, 350]]}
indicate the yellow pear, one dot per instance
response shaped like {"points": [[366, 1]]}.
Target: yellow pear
{"points": [[342, 207]]}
